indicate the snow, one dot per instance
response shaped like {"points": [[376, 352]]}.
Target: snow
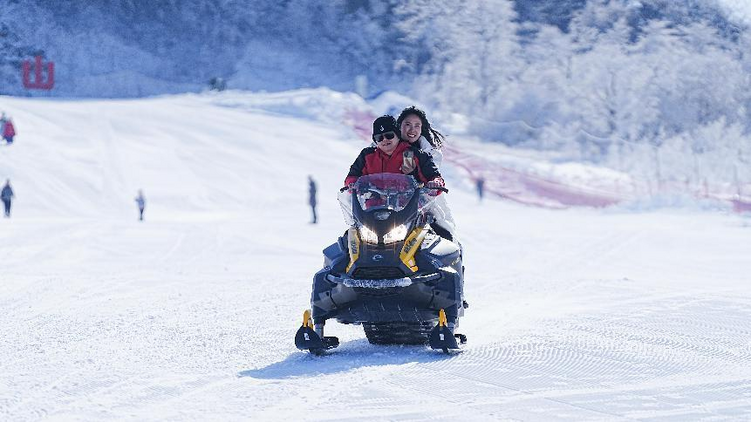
{"points": [[634, 312], [740, 9]]}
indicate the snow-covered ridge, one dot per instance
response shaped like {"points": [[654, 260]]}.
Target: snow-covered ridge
{"points": [[189, 153], [90, 157]]}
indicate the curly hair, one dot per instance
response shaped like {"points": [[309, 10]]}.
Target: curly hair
{"points": [[433, 136]]}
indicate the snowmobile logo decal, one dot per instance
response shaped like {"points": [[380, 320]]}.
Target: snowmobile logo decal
{"points": [[354, 246], [377, 257], [411, 244]]}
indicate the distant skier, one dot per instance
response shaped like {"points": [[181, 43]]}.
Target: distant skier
{"points": [[480, 187], [8, 130], [141, 201], [312, 190], [7, 195]]}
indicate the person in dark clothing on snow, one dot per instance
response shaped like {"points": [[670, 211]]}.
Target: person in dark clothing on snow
{"points": [[141, 201], [480, 187], [7, 195], [312, 198]]}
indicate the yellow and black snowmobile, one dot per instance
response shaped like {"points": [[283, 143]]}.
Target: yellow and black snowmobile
{"points": [[389, 272]]}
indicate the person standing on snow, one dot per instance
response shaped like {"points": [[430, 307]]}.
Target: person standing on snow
{"points": [[8, 130], [312, 198], [480, 187], [141, 201], [7, 195]]}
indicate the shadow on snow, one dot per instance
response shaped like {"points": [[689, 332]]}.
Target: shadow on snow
{"points": [[351, 355]]}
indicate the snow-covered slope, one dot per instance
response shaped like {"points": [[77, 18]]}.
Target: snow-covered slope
{"points": [[575, 314]]}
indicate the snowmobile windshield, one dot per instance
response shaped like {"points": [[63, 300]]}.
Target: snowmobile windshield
{"points": [[385, 191]]}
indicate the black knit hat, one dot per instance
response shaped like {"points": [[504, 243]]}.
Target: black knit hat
{"points": [[384, 124]]}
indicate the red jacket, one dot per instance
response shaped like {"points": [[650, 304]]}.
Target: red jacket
{"points": [[372, 161], [9, 130]]}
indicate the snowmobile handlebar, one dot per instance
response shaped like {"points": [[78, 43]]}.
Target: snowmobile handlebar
{"points": [[440, 188]]}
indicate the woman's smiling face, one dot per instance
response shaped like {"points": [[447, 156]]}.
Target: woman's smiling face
{"points": [[411, 128]]}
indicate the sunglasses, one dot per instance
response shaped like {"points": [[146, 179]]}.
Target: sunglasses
{"points": [[388, 135]]}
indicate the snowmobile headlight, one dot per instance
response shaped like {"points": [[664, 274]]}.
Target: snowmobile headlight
{"points": [[368, 235], [397, 234]]}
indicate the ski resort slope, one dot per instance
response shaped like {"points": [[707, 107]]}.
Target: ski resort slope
{"points": [[578, 314]]}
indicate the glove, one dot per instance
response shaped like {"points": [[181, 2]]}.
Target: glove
{"points": [[434, 186], [349, 184]]}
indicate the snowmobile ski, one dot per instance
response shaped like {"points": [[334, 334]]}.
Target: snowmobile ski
{"points": [[308, 339], [441, 337]]}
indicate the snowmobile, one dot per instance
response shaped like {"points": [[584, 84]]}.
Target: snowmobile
{"points": [[389, 272]]}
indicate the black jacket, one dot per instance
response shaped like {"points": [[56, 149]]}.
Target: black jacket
{"points": [[7, 193]]}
